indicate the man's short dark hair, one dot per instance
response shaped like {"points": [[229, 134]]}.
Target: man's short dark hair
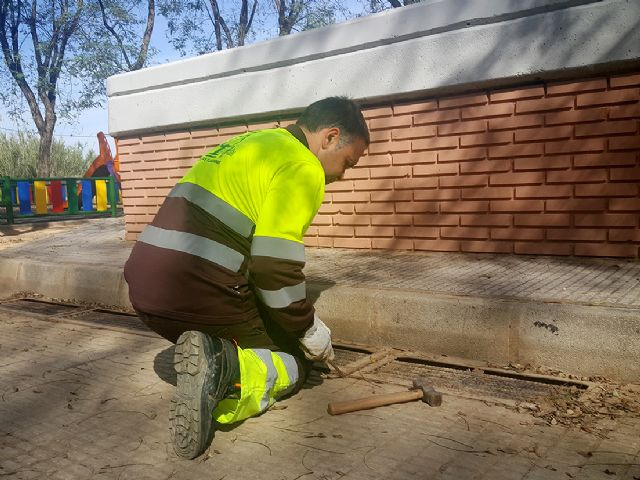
{"points": [[339, 112]]}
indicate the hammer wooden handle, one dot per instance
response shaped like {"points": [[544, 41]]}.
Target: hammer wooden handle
{"points": [[338, 408]]}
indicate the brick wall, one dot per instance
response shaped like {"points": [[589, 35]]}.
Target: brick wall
{"points": [[551, 168]]}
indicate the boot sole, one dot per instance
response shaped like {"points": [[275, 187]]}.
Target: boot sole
{"points": [[191, 414]]}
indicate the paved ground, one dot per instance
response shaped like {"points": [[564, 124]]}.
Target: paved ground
{"points": [[80, 402], [538, 278]]}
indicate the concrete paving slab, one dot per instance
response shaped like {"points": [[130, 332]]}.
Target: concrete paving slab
{"points": [[78, 402], [581, 315]]}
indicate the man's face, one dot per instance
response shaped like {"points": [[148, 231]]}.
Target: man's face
{"points": [[336, 157]]}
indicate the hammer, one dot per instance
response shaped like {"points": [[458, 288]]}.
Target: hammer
{"points": [[419, 391]]}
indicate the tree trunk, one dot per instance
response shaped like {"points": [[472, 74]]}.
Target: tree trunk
{"points": [[45, 163]]}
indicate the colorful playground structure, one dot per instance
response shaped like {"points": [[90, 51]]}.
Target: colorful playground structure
{"points": [[96, 192]]}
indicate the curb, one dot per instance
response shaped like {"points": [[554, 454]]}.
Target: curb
{"points": [[579, 339]]}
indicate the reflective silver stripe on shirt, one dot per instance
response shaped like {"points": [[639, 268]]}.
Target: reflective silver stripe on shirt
{"points": [[278, 248], [214, 206], [283, 297], [272, 375], [193, 244], [291, 366]]}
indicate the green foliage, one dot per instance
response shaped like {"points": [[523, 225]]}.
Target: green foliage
{"points": [[19, 157]]}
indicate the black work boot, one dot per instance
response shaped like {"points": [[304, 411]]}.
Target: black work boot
{"points": [[207, 368]]}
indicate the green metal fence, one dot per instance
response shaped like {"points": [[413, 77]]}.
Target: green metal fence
{"points": [[55, 196]]}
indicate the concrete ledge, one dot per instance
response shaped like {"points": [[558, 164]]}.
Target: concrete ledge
{"points": [[584, 340], [512, 42]]}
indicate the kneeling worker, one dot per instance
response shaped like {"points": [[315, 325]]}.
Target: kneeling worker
{"points": [[219, 270]]}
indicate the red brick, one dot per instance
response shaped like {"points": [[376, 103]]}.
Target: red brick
{"points": [[380, 136], [517, 234], [377, 207], [437, 194], [544, 104], [575, 116], [464, 207], [417, 207], [518, 178], [462, 127], [607, 98], [356, 174], [374, 231], [325, 242], [577, 234], [576, 205], [606, 250], [391, 219], [541, 134], [436, 169], [341, 186], [159, 138], [389, 147], [486, 166], [464, 232], [518, 121], [439, 116], [488, 138], [543, 248], [390, 122], [417, 232], [543, 163], [606, 128], [625, 143], [490, 220], [511, 151], [624, 174], [606, 190], [415, 107], [575, 146], [352, 243], [625, 111], [235, 129], [604, 159], [415, 183], [463, 181], [310, 241], [517, 206], [487, 193], [369, 113], [320, 219], [358, 219], [487, 111], [207, 133], [575, 87], [486, 247], [545, 191], [335, 231], [577, 176], [462, 101], [329, 208], [437, 220], [629, 80], [624, 204], [414, 158], [127, 141], [437, 245], [422, 131], [624, 235], [389, 196], [390, 172], [462, 154], [517, 94], [605, 220], [350, 197], [312, 231], [391, 244], [434, 143]]}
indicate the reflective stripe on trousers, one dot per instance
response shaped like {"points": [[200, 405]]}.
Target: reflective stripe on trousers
{"points": [[265, 376]]}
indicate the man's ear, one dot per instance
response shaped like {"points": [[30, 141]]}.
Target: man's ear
{"points": [[331, 136]]}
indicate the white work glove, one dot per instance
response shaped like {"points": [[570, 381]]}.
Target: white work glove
{"points": [[316, 342]]}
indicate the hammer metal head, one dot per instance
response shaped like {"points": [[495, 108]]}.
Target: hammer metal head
{"points": [[429, 394]]}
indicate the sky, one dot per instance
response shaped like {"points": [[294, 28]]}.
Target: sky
{"points": [[84, 129]]}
